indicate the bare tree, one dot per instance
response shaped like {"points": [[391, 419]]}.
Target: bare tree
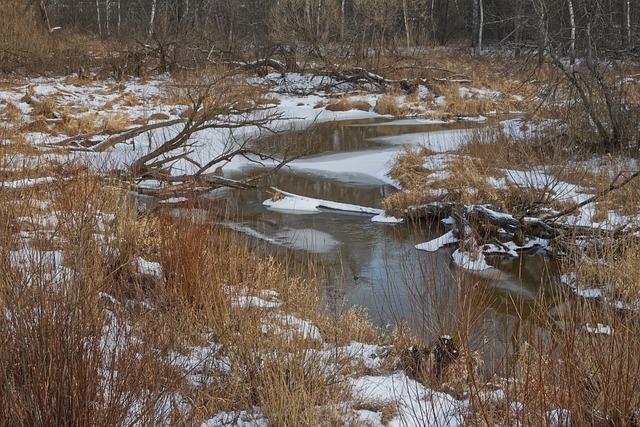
{"points": [[572, 37], [45, 15], [480, 25], [218, 103], [152, 17], [627, 14], [598, 95], [405, 21], [98, 20]]}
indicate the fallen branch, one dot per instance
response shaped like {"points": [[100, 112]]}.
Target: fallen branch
{"points": [[362, 75], [132, 133], [188, 185], [260, 63]]}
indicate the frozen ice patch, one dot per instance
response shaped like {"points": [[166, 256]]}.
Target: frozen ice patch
{"points": [[307, 239]]}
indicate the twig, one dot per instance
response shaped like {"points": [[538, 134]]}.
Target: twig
{"points": [[612, 187]]}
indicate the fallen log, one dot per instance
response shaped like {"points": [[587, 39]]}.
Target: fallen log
{"points": [[362, 75], [431, 211], [488, 226], [261, 64]]}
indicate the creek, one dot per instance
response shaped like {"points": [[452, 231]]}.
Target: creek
{"points": [[376, 265]]}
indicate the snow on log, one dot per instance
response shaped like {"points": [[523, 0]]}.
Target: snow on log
{"points": [[439, 242], [294, 202]]}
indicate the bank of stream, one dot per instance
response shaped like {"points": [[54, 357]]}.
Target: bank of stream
{"points": [[375, 265]]}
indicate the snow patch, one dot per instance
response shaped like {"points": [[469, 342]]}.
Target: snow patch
{"points": [[148, 267], [245, 301], [439, 242], [598, 329], [417, 405]]}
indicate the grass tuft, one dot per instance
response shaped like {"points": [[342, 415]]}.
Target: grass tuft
{"points": [[347, 104]]}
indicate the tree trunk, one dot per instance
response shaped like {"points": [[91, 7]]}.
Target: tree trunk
{"points": [[318, 18], [480, 25], [98, 18], [405, 13], [519, 27], [342, 17], [628, 23], [445, 23], [45, 16], [152, 17], [544, 31], [474, 25], [432, 19], [572, 38], [307, 12], [107, 16]]}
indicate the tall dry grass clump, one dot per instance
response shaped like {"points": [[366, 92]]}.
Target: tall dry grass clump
{"points": [[408, 169], [347, 103], [566, 360], [583, 370], [70, 354], [389, 104], [439, 336]]}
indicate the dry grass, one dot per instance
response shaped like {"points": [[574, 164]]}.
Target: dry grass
{"points": [[408, 168], [11, 113], [119, 121], [396, 203], [469, 104], [545, 148], [46, 107], [346, 104], [468, 181], [589, 378], [463, 179], [347, 326], [209, 271], [26, 44], [413, 177], [62, 348], [616, 272], [14, 144], [100, 237], [78, 125], [389, 105]]}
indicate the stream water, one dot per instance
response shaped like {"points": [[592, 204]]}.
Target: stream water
{"points": [[376, 265]]}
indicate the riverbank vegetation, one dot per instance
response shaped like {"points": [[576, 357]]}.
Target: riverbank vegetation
{"points": [[120, 315]]}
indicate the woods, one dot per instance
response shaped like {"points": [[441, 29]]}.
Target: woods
{"points": [[192, 32], [585, 42]]}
